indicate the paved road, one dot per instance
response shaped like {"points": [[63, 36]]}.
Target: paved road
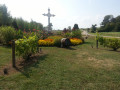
{"points": [[87, 34]]}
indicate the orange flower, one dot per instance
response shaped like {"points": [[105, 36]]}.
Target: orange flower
{"points": [[48, 39], [76, 41]]}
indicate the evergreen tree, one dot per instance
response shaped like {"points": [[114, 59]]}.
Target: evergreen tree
{"points": [[76, 27]]}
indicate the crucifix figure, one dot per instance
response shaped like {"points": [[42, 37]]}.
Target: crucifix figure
{"points": [[49, 15]]}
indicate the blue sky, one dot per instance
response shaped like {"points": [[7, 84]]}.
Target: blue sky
{"points": [[68, 12]]}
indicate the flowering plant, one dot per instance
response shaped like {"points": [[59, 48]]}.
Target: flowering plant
{"points": [[75, 41], [46, 42], [57, 40]]}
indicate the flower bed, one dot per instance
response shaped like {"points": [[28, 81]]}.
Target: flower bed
{"points": [[76, 41], [56, 41], [46, 42]]}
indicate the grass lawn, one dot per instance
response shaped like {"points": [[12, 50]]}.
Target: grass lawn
{"points": [[114, 34], [79, 68], [5, 55]]}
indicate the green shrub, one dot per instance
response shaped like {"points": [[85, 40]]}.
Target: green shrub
{"points": [[113, 43], [76, 34], [59, 33], [42, 34], [101, 40], [73, 34], [19, 34], [7, 34], [26, 47], [68, 35], [57, 40]]}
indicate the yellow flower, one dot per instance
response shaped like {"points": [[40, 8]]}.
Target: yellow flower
{"points": [[75, 41], [46, 42]]}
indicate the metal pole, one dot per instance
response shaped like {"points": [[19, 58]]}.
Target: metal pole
{"points": [[48, 23]]}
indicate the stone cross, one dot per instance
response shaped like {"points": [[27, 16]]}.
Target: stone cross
{"points": [[49, 15]]}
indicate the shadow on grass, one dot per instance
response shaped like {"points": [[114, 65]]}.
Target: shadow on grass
{"points": [[107, 49], [70, 48], [114, 50], [90, 43], [24, 66], [6, 46]]}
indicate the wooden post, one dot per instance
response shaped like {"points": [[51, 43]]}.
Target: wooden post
{"points": [[37, 48], [96, 42], [40, 50], [13, 53]]}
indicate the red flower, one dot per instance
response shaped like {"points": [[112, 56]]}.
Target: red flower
{"points": [[24, 31], [34, 29]]}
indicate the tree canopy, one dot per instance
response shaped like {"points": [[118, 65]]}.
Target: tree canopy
{"points": [[18, 23], [5, 18], [93, 28], [110, 24], [76, 27]]}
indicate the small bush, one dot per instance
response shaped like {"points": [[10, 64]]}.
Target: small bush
{"points": [[42, 34], [101, 40], [57, 40], [19, 34], [26, 47], [7, 34], [76, 34], [113, 43], [68, 35], [60, 33], [73, 34]]}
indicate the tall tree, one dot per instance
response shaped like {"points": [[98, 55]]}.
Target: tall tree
{"points": [[107, 19], [5, 18], [20, 23], [110, 24], [117, 27], [118, 18], [14, 24], [69, 28], [76, 27], [17, 23], [93, 28]]}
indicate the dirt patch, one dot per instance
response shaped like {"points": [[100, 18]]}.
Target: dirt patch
{"points": [[20, 64], [107, 63], [82, 54], [86, 60]]}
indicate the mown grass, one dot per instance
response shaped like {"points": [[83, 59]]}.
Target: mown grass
{"points": [[5, 55], [78, 68], [114, 34]]}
